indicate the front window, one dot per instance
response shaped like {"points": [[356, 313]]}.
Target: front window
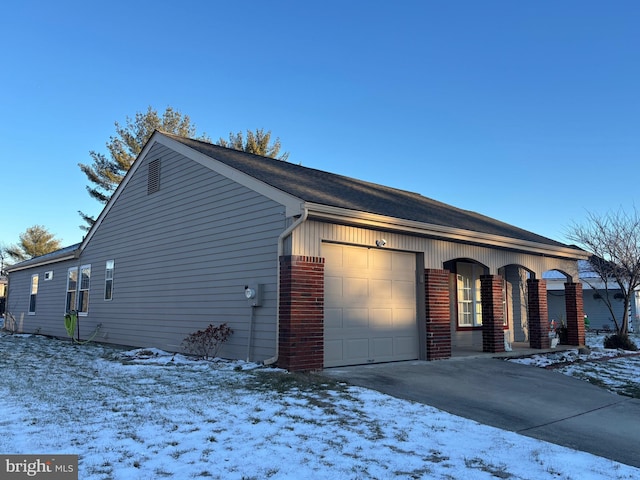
{"points": [[469, 300], [33, 294]]}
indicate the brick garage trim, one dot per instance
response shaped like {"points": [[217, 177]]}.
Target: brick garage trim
{"points": [[437, 314], [575, 313], [301, 313], [538, 313], [491, 290]]}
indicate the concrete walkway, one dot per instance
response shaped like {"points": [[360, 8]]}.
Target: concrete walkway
{"points": [[528, 400]]}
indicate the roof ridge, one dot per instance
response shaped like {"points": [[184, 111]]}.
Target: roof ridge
{"points": [[326, 188]]}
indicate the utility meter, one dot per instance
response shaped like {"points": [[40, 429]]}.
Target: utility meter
{"points": [[253, 294]]}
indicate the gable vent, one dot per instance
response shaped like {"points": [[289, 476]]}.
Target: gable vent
{"points": [[153, 179]]}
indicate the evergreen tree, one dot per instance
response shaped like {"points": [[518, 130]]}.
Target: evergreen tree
{"points": [[256, 142], [35, 241], [107, 171]]}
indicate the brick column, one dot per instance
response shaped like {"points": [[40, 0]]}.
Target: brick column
{"points": [[301, 334], [491, 290], [575, 313], [438, 315], [538, 314]]}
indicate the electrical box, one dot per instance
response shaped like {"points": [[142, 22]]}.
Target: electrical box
{"points": [[253, 294]]}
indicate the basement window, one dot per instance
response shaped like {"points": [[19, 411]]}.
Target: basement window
{"points": [[153, 177]]}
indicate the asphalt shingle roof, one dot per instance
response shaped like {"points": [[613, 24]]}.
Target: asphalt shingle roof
{"points": [[317, 186]]}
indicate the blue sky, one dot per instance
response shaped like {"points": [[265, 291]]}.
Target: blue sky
{"points": [[528, 112]]}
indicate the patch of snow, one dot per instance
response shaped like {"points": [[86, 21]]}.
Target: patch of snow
{"points": [[149, 414]]}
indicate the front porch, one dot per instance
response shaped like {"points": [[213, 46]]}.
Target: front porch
{"points": [[518, 349], [445, 340]]}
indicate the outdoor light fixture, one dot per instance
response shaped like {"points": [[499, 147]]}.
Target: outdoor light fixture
{"points": [[381, 243]]}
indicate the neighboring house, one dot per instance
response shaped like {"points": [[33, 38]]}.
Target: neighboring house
{"points": [[593, 288], [345, 271]]}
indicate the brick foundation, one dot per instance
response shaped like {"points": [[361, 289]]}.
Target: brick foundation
{"points": [[538, 315], [575, 313], [301, 335], [438, 315], [491, 289]]}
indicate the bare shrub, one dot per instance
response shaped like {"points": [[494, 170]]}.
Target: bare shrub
{"points": [[206, 343]]}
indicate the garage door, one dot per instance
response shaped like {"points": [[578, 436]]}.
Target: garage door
{"points": [[370, 305]]}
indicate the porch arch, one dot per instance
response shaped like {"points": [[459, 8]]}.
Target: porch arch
{"points": [[516, 301], [568, 312]]}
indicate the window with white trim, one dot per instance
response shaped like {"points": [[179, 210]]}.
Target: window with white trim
{"points": [[108, 280], [469, 299], [83, 289], [33, 293], [72, 288]]}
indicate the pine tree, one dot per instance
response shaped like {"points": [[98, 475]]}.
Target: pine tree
{"points": [[256, 142], [35, 241], [106, 172]]}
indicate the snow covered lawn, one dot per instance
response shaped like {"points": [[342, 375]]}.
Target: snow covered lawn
{"points": [[146, 414], [615, 370]]}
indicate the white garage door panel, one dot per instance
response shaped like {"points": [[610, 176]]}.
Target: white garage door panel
{"points": [[333, 349], [383, 347], [381, 319], [403, 289], [405, 345], [355, 318], [355, 287], [332, 318], [370, 305], [381, 288]]}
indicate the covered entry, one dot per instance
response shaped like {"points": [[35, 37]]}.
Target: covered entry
{"points": [[370, 305]]}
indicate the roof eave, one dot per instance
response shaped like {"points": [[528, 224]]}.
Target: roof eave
{"points": [[292, 204], [355, 217], [70, 256]]}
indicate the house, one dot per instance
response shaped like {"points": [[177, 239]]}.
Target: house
{"points": [[594, 304], [310, 269]]}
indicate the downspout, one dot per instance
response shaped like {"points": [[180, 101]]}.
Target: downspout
{"points": [[281, 239]]}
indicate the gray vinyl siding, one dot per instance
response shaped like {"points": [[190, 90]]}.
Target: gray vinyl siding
{"points": [[182, 258], [50, 301]]}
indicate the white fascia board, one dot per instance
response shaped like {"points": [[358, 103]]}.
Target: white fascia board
{"points": [[293, 205], [119, 189], [48, 261], [439, 231]]}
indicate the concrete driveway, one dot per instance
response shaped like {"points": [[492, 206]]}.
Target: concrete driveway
{"points": [[524, 399]]}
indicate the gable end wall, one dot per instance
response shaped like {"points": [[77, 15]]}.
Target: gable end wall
{"points": [[182, 258]]}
